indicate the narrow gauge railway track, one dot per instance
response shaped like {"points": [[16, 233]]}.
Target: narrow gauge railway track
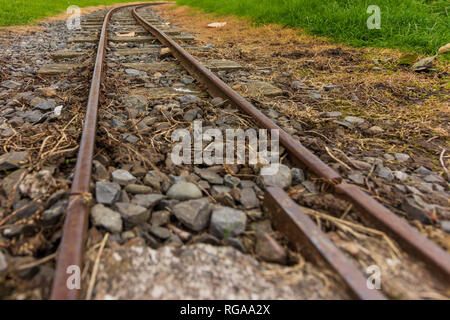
{"points": [[286, 215]]}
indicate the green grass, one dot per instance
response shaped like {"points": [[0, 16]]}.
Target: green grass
{"points": [[21, 12], [412, 25], [409, 25]]}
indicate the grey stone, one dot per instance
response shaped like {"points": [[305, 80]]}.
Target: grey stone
{"points": [[184, 191], [33, 116], [133, 214], [385, 173], [316, 96], [191, 115], [123, 177], [160, 218], [331, 87], [236, 243], [160, 232], [124, 196], [187, 80], [46, 105], [134, 72], [227, 222], [13, 231], [412, 189], [248, 198], [107, 192], [401, 157], [434, 178], [153, 180], [104, 217], [400, 187], [117, 123], [130, 138], [375, 130], [272, 114], [147, 200], [220, 189], [247, 184], [400, 175], [425, 187], [217, 102], [297, 84], [445, 225], [138, 102], [343, 123], [52, 215], [298, 175], [231, 181], [354, 120], [209, 176], [268, 249], [282, 179], [414, 211], [138, 189], [13, 160], [10, 84], [189, 99], [3, 263], [194, 214], [10, 181], [372, 160], [332, 114], [357, 177], [174, 240], [388, 157], [423, 171], [100, 171], [176, 179], [8, 132], [24, 209], [262, 226]]}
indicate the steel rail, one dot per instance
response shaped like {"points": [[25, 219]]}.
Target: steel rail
{"points": [[408, 238], [75, 227], [312, 242]]}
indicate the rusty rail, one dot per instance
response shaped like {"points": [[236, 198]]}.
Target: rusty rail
{"points": [[408, 238], [312, 242], [77, 214]]}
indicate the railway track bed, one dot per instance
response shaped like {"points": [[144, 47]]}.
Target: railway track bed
{"points": [[203, 229]]}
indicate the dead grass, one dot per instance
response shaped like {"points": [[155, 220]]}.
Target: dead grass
{"points": [[411, 107]]}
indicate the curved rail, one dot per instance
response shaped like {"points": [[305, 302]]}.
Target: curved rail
{"points": [[77, 214], [410, 240]]}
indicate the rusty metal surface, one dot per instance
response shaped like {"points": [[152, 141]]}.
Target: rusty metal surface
{"points": [[288, 217], [410, 239], [217, 88], [76, 222]]}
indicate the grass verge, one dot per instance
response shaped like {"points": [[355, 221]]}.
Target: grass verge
{"points": [[20, 12], [412, 25]]}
